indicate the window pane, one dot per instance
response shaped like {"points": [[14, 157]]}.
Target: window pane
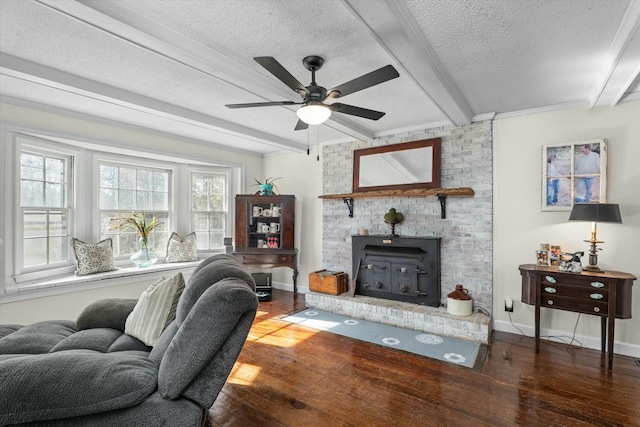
{"points": [[216, 221], [35, 224], [161, 201], [202, 240], [201, 222], [143, 180], [216, 202], [126, 200], [217, 184], [161, 181], [58, 224], [31, 166], [215, 239], [55, 170], [58, 249], [143, 200], [108, 198], [127, 178], [31, 194], [55, 195], [200, 202], [108, 176], [35, 252]]}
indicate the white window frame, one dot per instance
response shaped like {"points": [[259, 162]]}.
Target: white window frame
{"points": [[23, 142], [84, 225], [227, 211], [136, 163]]}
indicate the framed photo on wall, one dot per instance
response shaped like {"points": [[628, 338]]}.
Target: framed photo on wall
{"points": [[574, 172]]}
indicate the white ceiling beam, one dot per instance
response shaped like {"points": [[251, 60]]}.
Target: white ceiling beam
{"points": [[122, 22], [622, 63], [398, 33], [57, 79]]}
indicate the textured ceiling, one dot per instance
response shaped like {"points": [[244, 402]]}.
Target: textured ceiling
{"points": [[172, 65]]}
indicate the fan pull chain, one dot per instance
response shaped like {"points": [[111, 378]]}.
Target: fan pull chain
{"points": [[318, 144], [308, 137]]}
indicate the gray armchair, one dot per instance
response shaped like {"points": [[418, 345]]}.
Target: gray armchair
{"points": [[90, 373]]}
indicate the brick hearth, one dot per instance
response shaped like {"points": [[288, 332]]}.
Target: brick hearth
{"points": [[405, 315]]}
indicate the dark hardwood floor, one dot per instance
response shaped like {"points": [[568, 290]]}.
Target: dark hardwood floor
{"points": [[288, 375]]}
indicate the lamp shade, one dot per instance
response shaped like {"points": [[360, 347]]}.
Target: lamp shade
{"points": [[596, 212], [313, 114]]}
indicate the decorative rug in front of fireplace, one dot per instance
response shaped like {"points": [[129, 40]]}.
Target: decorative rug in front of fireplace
{"points": [[452, 350]]}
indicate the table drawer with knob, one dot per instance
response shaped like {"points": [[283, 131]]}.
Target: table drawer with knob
{"points": [[580, 292], [591, 306]]}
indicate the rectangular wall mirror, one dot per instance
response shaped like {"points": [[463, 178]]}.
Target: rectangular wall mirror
{"points": [[404, 166]]}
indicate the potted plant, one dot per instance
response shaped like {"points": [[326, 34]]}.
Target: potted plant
{"points": [[267, 186], [138, 221]]}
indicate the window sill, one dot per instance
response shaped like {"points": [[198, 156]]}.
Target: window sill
{"points": [[71, 283]]}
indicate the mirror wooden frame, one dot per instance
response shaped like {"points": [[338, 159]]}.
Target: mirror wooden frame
{"points": [[434, 143]]}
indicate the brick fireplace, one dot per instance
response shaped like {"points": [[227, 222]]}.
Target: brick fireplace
{"points": [[466, 252]]}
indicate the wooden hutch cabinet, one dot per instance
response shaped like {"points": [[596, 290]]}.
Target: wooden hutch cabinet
{"points": [[264, 232]]}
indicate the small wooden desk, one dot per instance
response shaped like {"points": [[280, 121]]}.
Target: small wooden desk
{"points": [[606, 294]]}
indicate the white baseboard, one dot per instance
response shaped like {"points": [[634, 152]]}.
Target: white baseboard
{"points": [[626, 349], [289, 287]]}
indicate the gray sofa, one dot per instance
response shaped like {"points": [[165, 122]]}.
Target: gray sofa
{"points": [[90, 373]]}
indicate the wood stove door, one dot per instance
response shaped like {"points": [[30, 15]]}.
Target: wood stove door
{"points": [[375, 275], [405, 278]]}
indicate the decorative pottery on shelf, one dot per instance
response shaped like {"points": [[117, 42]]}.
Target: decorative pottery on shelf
{"points": [[145, 257]]}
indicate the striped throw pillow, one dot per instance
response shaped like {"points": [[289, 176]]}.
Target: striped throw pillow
{"points": [[155, 309]]}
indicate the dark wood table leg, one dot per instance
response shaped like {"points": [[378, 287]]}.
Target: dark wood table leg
{"points": [[295, 281], [538, 296], [611, 318], [603, 333]]}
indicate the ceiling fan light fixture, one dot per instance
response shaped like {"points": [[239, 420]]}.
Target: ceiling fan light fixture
{"points": [[314, 114]]}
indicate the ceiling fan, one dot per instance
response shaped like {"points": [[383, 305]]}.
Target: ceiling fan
{"points": [[314, 110]]}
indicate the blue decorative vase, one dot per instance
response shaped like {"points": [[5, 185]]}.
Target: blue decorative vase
{"points": [[144, 257]]}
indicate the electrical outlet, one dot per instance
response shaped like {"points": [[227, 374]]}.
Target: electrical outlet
{"points": [[508, 305]]}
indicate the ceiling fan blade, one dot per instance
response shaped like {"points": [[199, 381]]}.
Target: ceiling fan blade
{"points": [[275, 68], [373, 78], [356, 111], [262, 104], [301, 125]]}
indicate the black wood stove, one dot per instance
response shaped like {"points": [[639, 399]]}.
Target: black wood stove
{"points": [[397, 268]]}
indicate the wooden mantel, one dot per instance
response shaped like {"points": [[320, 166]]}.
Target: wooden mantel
{"points": [[440, 193], [415, 192]]}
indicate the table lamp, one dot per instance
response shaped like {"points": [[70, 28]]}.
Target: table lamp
{"points": [[595, 212]]}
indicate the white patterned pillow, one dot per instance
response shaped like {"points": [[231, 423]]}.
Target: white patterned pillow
{"points": [[181, 250], [93, 258], [155, 309]]}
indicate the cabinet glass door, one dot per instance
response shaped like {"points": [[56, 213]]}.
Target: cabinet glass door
{"points": [[265, 231]]}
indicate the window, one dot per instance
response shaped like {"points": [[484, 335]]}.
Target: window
{"points": [[45, 195], [209, 208], [60, 188], [124, 189]]}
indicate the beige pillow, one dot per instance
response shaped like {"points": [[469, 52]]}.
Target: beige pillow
{"points": [[181, 250], [155, 309], [93, 258]]}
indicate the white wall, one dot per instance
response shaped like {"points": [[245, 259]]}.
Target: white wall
{"points": [[520, 225], [302, 176], [68, 305]]}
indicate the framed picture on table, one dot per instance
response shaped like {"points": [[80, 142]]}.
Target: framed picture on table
{"points": [[574, 172]]}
